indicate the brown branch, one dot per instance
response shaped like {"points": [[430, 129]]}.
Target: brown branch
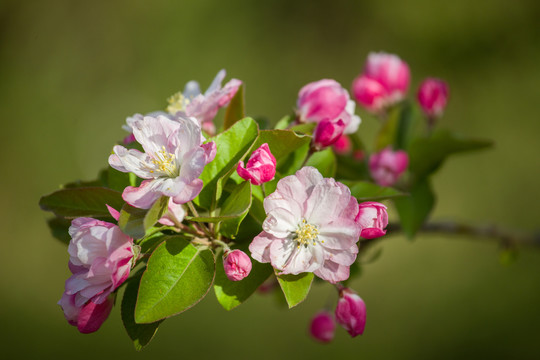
{"points": [[507, 238]]}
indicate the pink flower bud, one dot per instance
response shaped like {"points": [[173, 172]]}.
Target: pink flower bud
{"points": [[322, 327], [327, 100], [351, 312], [372, 218], [323, 99], [387, 166], [391, 72], [432, 96], [343, 145], [369, 93], [327, 132], [237, 265], [385, 81], [260, 168], [89, 317]]}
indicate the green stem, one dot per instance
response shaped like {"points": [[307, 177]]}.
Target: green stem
{"points": [[310, 152]]}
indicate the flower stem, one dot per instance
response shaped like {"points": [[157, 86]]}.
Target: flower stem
{"points": [[310, 152], [263, 191]]}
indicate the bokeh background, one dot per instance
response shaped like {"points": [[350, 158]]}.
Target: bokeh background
{"points": [[71, 71]]}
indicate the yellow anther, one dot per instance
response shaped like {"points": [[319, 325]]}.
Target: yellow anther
{"points": [[177, 102], [165, 162], [306, 233]]}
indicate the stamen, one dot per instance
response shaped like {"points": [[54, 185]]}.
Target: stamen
{"points": [[165, 162], [306, 234], [178, 102]]}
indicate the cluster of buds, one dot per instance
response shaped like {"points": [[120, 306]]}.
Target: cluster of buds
{"points": [[350, 313]]}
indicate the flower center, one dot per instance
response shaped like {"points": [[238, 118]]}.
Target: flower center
{"points": [[177, 102], [306, 234], [165, 162]]}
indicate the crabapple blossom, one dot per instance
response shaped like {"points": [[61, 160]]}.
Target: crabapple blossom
{"points": [[236, 264], [173, 160], [309, 227], [351, 312], [372, 218], [260, 168], [327, 99], [432, 96], [101, 256], [322, 327], [387, 166], [204, 107], [342, 145]]}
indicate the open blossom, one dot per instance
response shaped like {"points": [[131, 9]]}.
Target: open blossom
{"points": [[322, 327], [432, 96], [387, 166], [327, 99], [101, 256], [385, 81], [372, 218], [260, 168], [204, 107], [173, 160], [310, 227], [351, 312], [236, 264], [174, 215]]}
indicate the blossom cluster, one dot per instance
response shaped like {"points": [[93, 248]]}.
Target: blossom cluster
{"points": [[198, 200]]}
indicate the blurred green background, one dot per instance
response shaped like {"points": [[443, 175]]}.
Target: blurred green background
{"points": [[71, 71]]}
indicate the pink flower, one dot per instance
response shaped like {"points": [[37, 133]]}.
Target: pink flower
{"points": [[173, 160], [372, 218], [385, 81], [327, 99], [432, 96], [343, 145], [309, 227], [101, 256], [322, 327], [237, 265], [327, 133], [204, 107], [260, 168], [351, 312], [387, 166]]}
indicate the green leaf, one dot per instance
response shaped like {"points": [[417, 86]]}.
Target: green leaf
{"points": [[59, 229], [281, 142], [236, 205], [427, 154], [140, 334], [232, 145], [324, 161], [177, 277], [405, 127], [367, 191], [236, 109], [387, 134], [414, 210], [291, 163], [284, 122], [230, 294], [79, 202], [137, 222], [118, 180], [295, 287]]}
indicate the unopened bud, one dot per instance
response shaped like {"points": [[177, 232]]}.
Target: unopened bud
{"points": [[351, 312], [236, 264], [322, 327]]}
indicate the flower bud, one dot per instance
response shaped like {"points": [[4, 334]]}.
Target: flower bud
{"points": [[343, 145], [327, 100], [323, 99], [372, 218], [260, 168], [432, 96], [327, 133], [351, 312], [322, 327], [385, 81], [387, 166], [237, 265], [369, 93]]}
